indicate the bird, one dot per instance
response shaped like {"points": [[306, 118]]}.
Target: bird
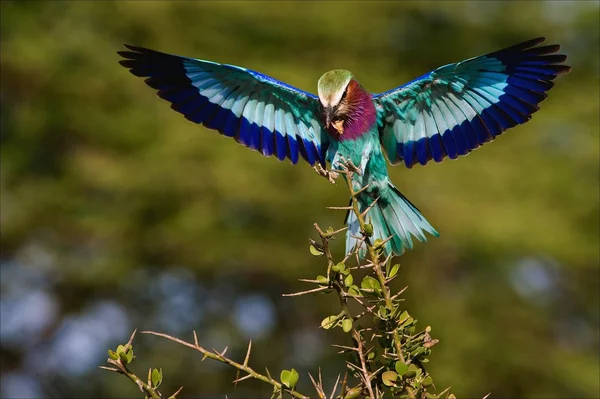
{"points": [[445, 113]]}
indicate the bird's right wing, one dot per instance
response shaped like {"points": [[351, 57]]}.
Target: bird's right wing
{"points": [[260, 112], [458, 107]]}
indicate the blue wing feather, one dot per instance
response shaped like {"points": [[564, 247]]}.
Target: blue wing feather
{"points": [[237, 102], [464, 105]]}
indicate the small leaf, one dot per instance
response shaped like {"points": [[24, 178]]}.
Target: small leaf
{"points": [[420, 350], [383, 312], [157, 377], [285, 377], [338, 268], [347, 325], [120, 349], [370, 283], [411, 372], [329, 322], [293, 379], [368, 229], [389, 377], [129, 356], [323, 280], [403, 317], [401, 367], [316, 251], [394, 270], [427, 382], [354, 393], [428, 329], [353, 290], [371, 355], [113, 355], [123, 357], [348, 280]]}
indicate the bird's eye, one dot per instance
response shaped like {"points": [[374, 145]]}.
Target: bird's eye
{"points": [[344, 95]]}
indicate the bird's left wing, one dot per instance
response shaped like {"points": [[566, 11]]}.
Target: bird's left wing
{"points": [[259, 112], [458, 107]]}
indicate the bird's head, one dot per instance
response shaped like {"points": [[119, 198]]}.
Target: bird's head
{"points": [[333, 90]]}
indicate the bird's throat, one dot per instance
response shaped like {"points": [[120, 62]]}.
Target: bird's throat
{"points": [[361, 115]]}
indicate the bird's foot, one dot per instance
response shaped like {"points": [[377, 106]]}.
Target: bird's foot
{"points": [[328, 174], [349, 165]]}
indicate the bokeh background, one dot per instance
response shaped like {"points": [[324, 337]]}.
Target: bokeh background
{"points": [[117, 213]]}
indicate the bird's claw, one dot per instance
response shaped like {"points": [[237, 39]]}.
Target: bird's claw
{"points": [[328, 174], [349, 165]]}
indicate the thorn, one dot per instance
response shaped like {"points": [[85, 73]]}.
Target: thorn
{"points": [[196, 339], [116, 370], [340, 208], [337, 381], [220, 354], [356, 193], [362, 215], [150, 376], [486, 396], [318, 289], [128, 345], [345, 347], [242, 379], [248, 354], [177, 393], [317, 388]]}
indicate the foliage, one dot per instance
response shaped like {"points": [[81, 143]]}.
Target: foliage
{"points": [[389, 356]]}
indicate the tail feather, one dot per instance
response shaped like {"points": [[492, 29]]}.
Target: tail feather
{"points": [[392, 216]]}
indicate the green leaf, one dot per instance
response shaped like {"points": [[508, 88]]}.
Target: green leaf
{"points": [[427, 382], [394, 270], [401, 367], [113, 355], [120, 349], [403, 317], [383, 312], [123, 357], [353, 290], [338, 268], [157, 377], [285, 377], [289, 378], [129, 356], [369, 283], [294, 377], [371, 355], [411, 372], [329, 322], [354, 393], [368, 229], [348, 280], [389, 377], [316, 251], [347, 325], [323, 280]]}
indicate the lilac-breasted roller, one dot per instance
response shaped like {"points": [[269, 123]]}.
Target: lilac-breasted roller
{"points": [[445, 113]]}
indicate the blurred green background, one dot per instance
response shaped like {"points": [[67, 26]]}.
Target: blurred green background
{"points": [[117, 213]]}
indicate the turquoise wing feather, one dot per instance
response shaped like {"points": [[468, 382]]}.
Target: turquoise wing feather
{"points": [[459, 107], [259, 112]]}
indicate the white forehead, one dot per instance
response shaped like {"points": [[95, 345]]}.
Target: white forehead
{"points": [[331, 98]]}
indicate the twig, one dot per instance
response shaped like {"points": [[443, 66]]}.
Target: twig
{"points": [[223, 359]]}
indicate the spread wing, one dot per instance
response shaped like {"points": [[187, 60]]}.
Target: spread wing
{"points": [[459, 107], [259, 112]]}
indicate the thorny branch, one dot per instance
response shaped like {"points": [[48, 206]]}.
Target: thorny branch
{"points": [[390, 360]]}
